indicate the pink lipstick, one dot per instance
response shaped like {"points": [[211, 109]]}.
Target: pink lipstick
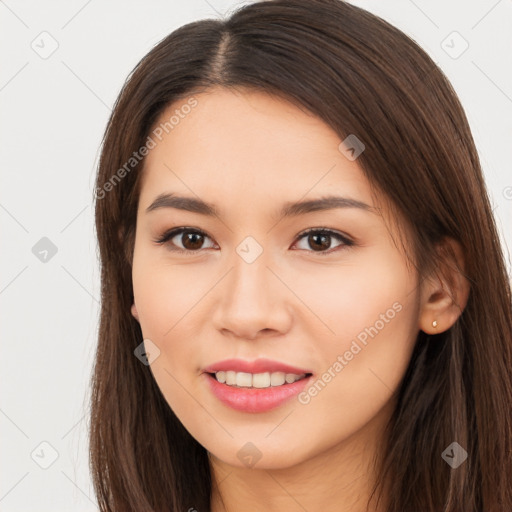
{"points": [[255, 386]]}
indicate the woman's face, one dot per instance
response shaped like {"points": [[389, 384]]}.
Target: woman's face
{"points": [[341, 307]]}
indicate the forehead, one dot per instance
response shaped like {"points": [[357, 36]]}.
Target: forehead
{"points": [[249, 143]]}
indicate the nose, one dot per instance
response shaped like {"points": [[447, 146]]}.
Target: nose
{"points": [[251, 301]]}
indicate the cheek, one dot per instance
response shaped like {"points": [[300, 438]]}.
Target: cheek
{"points": [[164, 298], [348, 297], [164, 293], [169, 298], [371, 310]]}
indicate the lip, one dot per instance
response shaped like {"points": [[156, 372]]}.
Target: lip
{"points": [[255, 400], [261, 365]]}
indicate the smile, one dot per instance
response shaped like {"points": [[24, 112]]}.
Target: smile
{"points": [[257, 380], [253, 399]]}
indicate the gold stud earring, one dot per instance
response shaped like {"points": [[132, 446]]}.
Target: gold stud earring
{"points": [[434, 323]]}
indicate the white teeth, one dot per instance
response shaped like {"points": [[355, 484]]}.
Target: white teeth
{"points": [[257, 380], [278, 378], [261, 380], [243, 380]]}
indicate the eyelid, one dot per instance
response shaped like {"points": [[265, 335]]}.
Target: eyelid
{"points": [[171, 233], [346, 240]]}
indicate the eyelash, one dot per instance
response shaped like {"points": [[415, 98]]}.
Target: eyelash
{"points": [[168, 235]]}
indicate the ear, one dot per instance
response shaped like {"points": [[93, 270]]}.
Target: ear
{"points": [[135, 312], [444, 293]]}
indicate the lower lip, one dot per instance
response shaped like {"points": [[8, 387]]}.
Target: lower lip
{"points": [[255, 399]]}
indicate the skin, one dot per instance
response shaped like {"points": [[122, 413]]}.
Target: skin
{"points": [[248, 153]]}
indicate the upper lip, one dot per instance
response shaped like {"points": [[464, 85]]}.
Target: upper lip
{"points": [[258, 366]]}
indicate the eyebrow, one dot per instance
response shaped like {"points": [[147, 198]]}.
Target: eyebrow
{"points": [[289, 209]]}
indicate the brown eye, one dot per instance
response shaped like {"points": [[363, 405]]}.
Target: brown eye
{"points": [[320, 240], [184, 240], [192, 241]]}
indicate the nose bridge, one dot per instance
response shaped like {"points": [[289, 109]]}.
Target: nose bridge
{"points": [[250, 298], [249, 279]]}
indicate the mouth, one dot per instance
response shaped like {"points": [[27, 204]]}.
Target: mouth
{"points": [[255, 393], [256, 380]]}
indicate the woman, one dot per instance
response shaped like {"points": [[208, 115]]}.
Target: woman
{"points": [[304, 301]]}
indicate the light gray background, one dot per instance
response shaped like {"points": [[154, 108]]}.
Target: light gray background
{"points": [[54, 111]]}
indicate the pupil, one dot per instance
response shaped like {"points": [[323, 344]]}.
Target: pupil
{"points": [[194, 238], [324, 244]]}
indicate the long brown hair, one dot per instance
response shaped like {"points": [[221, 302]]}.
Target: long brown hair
{"points": [[361, 76]]}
